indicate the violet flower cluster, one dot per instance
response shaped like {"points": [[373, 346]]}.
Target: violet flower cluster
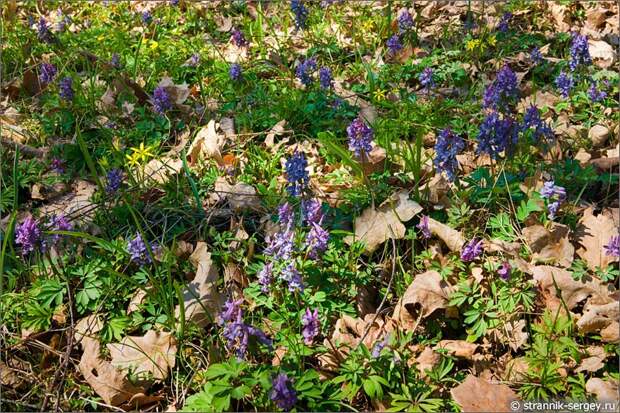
{"points": [[504, 271], [360, 137], [504, 22], [161, 100], [405, 21], [555, 195], [502, 93], [138, 251], [301, 13], [579, 51], [236, 332], [29, 233], [311, 325], [497, 134], [426, 78], [564, 82], [423, 227], [394, 44], [472, 250], [66, 88], [304, 71], [238, 39], [325, 78], [296, 173], [43, 31], [595, 94], [114, 180], [532, 121], [47, 73], [283, 393], [235, 72], [448, 145], [612, 248]]}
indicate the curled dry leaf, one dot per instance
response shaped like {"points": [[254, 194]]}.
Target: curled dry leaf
{"points": [[452, 238], [161, 170], [571, 290], [479, 395], [602, 53], [367, 111], [177, 93], [276, 130], [595, 360], [201, 300], [512, 333], [375, 226], [602, 319], [458, 348], [151, 355], [550, 246], [427, 360], [75, 204], [606, 390], [239, 196], [593, 233], [429, 291], [206, 145]]}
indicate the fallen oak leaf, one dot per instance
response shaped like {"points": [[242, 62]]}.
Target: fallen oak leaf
{"points": [[452, 238], [478, 395], [207, 144], [603, 389], [593, 233]]}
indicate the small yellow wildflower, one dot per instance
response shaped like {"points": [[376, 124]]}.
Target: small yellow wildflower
{"points": [[154, 45], [492, 40], [379, 95], [472, 44], [140, 154]]}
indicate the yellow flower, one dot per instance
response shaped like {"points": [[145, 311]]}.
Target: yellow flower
{"points": [[368, 25], [472, 44], [140, 154], [492, 40], [154, 45], [379, 95]]}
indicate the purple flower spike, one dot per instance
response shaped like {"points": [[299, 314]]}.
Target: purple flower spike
{"points": [[296, 173], [28, 235], [304, 71], [138, 251], [58, 166], [394, 45], [447, 147], [316, 240], [161, 100], [325, 78], [235, 72], [66, 88], [579, 52], [472, 250], [47, 73], [360, 137], [238, 39], [497, 134], [282, 392], [311, 210], [301, 13], [504, 22], [265, 277], [405, 21], [426, 78], [564, 82], [115, 179], [311, 325], [286, 216]]}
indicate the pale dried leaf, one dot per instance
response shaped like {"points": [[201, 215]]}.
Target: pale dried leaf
{"points": [[429, 291], [427, 360], [602, 53], [550, 246], [201, 300], [151, 355], [75, 204], [572, 291], [177, 93], [595, 360], [597, 317], [276, 130], [161, 170], [606, 390], [239, 196], [458, 348], [452, 238], [593, 233], [478, 395]]}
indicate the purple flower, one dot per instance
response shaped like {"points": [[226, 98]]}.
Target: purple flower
{"points": [[283, 393], [147, 17], [304, 70], [595, 94], [532, 120], [496, 135], [504, 271], [238, 39], [555, 194], [379, 346], [613, 246], [301, 13], [447, 147], [193, 61], [579, 51], [28, 235], [292, 277], [47, 73], [423, 227], [138, 251], [502, 92], [43, 31], [58, 166], [325, 78], [471, 250], [316, 240], [174, 2], [296, 173], [360, 137], [426, 78], [405, 21], [161, 100], [66, 88], [265, 277], [393, 44], [504, 21], [564, 82], [114, 180], [280, 245], [115, 60], [311, 325], [536, 57], [57, 223], [231, 311], [286, 216], [311, 211], [235, 72]]}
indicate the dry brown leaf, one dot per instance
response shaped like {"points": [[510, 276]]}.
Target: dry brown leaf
{"points": [[593, 233], [572, 291], [452, 238], [478, 395], [151, 355], [162, 169], [427, 360], [374, 161], [177, 93], [606, 390], [375, 226], [427, 290], [436, 191], [550, 246], [602, 53], [458, 348], [207, 144], [598, 135], [201, 299], [8, 377], [512, 333], [561, 16], [76, 204], [595, 360], [367, 111], [599, 317], [239, 196], [276, 130]]}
